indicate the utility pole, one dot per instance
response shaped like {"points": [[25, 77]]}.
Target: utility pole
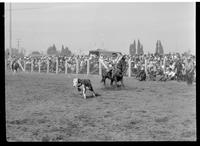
{"points": [[10, 29]]}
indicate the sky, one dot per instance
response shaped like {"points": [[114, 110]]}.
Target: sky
{"points": [[111, 26]]}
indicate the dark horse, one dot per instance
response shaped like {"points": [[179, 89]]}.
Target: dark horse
{"points": [[15, 66], [116, 74]]}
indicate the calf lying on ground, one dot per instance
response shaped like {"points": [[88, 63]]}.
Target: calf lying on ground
{"points": [[85, 84]]}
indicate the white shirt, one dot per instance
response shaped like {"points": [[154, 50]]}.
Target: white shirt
{"points": [[171, 74]]}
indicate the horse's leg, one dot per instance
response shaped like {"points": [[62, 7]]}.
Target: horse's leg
{"points": [[115, 79], [93, 93], [111, 82], [116, 85], [122, 82], [104, 82]]}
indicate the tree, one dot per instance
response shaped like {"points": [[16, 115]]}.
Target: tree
{"points": [[62, 50], [69, 53], [131, 49], [138, 47], [134, 48], [65, 51], [141, 50], [159, 48], [161, 51], [52, 50]]}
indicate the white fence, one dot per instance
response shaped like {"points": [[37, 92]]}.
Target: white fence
{"points": [[89, 67]]}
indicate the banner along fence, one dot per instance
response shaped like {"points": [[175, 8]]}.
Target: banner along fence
{"points": [[74, 66]]}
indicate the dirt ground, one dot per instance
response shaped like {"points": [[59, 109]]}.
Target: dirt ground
{"points": [[45, 107]]}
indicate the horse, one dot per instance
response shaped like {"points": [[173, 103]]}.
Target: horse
{"points": [[15, 66], [116, 74], [108, 75]]}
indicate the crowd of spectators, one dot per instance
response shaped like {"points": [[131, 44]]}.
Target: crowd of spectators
{"points": [[172, 66]]}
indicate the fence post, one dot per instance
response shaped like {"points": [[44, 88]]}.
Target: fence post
{"points": [[164, 63], [18, 61], [100, 68], [24, 66], [66, 66], [77, 66], [57, 66], [47, 65], [88, 67], [10, 65], [161, 62], [146, 67], [32, 66], [129, 67], [39, 65]]}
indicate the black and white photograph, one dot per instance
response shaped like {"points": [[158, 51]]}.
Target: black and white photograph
{"points": [[100, 71]]}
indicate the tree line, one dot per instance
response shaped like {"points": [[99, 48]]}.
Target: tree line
{"points": [[51, 50], [133, 51], [65, 51], [138, 48]]}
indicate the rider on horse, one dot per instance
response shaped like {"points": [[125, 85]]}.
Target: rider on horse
{"points": [[115, 70], [117, 66]]}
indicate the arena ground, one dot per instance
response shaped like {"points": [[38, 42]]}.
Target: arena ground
{"points": [[45, 107]]}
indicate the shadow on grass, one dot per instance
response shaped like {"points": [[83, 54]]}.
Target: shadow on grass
{"points": [[118, 88], [91, 96], [88, 95]]}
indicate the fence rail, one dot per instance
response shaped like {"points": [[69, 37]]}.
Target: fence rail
{"points": [[74, 67]]}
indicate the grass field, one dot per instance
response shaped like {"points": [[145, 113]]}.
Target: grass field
{"points": [[45, 107]]}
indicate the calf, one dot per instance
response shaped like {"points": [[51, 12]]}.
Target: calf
{"points": [[85, 84]]}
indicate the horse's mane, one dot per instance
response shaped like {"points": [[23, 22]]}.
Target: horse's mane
{"points": [[122, 65]]}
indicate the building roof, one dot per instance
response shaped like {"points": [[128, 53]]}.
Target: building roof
{"points": [[104, 51], [36, 55]]}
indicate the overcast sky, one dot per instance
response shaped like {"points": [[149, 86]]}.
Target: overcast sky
{"points": [[111, 26]]}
